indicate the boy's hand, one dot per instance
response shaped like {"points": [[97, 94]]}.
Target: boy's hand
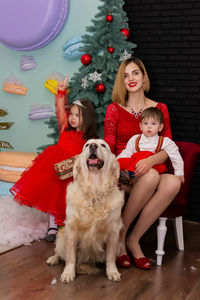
{"points": [[62, 85]]}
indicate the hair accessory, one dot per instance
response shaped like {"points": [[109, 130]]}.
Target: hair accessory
{"points": [[78, 102]]}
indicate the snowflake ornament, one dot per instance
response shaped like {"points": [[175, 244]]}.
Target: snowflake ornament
{"points": [[125, 55], [95, 76], [84, 83]]}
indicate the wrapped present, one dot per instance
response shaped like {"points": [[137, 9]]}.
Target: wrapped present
{"points": [[64, 169]]}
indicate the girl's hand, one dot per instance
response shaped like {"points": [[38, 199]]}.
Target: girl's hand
{"points": [[142, 167], [62, 85]]}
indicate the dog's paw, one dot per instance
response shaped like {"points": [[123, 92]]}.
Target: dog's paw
{"points": [[112, 272], [53, 260], [116, 276], [67, 277]]}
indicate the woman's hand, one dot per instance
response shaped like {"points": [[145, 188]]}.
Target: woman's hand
{"points": [[62, 85]]}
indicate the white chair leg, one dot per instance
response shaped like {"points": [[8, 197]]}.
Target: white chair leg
{"points": [[178, 228], [161, 233]]}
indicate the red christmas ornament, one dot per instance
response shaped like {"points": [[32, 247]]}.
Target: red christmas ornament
{"points": [[125, 32], [109, 18], [86, 59], [111, 49], [100, 88]]}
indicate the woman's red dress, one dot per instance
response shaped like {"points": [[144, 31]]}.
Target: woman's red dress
{"points": [[120, 126], [39, 185]]}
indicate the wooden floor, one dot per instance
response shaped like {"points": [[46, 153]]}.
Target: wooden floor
{"points": [[25, 275]]}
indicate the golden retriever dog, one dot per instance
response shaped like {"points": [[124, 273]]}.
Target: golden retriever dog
{"points": [[93, 215]]}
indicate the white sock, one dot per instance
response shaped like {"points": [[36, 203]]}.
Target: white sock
{"points": [[52, 224]]}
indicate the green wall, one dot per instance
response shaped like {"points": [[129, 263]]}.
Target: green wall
{"points": [[25, 134]]}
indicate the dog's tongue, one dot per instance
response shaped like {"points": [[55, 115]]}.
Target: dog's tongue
{"points": [[93, 161]]}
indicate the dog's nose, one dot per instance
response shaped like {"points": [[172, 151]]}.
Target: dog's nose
{"points": [[93, 147]]}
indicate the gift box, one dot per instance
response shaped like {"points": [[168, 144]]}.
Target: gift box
{"points": [[64, 169]]}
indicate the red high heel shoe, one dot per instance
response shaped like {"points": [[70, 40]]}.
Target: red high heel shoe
{"points": [[143, 263], [124, 261]]}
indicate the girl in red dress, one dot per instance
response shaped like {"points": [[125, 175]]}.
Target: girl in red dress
{"points": [[39, 186], [151, 192]]}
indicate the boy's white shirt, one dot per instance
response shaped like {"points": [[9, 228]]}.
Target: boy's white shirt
{"points": [[150, 144]]}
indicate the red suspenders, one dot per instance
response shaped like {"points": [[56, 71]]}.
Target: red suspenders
{"points": [[158, 148]]}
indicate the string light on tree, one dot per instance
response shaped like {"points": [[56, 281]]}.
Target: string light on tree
{"points": [[86, 59]]}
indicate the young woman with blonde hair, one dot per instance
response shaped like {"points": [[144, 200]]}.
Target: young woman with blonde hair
{"points": [[151, 192]]}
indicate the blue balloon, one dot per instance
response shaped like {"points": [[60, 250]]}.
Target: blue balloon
{"points": [[71, 48]]}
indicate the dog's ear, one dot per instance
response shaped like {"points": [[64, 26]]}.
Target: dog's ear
{"points": [[76, 168]]}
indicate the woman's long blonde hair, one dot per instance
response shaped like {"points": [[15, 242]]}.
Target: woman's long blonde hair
{"points": [[119, 94]]}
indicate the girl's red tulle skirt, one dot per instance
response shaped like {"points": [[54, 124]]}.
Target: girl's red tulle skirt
{"points": [[39, 186]]}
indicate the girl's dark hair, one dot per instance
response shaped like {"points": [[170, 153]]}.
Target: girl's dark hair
{"points": [[89, 123]]}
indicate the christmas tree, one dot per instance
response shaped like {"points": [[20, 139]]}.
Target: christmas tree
{"points": [[105, 46]]}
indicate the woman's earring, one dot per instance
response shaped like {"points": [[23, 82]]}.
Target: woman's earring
{"points": [[143, 86]]}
